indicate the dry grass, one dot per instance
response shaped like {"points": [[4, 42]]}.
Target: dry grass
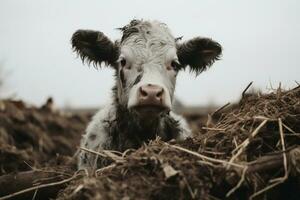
{"points": [[251, 152], [244, 155]]}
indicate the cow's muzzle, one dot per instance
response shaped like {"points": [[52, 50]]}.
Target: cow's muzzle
{"points": [[151, 99]]}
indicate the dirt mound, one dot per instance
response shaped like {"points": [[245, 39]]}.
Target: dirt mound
{"points": [[251, 152], [36, 137]]}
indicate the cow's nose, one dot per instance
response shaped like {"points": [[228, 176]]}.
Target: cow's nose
{"points": [[151, 95]]}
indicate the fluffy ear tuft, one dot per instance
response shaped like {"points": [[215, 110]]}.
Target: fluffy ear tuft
{"points": [[199, 53], [94, 47]]}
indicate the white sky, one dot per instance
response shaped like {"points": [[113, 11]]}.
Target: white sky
{"points": [[261, 41]]}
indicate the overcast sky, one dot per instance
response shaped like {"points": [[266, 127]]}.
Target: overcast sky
{"points": [[261, 41]]}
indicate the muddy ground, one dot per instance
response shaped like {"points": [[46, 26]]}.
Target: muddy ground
{"points": [[246, 151]]}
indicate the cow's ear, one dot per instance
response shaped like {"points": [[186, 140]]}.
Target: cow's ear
{"points": [[199, 53], [94, 47]]}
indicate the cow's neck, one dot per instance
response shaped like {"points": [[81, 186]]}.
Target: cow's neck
{"points": [[128, 130], [135, 127]]}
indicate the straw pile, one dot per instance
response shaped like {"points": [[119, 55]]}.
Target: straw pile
{"points": [[251, 152]]}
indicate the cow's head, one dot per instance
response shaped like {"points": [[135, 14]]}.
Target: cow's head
{"points": [[147, 60]]}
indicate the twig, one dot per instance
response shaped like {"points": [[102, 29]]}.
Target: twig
{"points": [[114, 156], [235, 142], [113, 151], [288, 128], [126, 152], [203, 162], [253, 134], [98, 171], [265, 163], [239, 183], [75, 191], [244, 144], [33, 168], [264, 118], [284, 154], [39, 187], [219, 109], [105, 154], [34, 195], [213, 153], [214, 160], [213, 129], [279, 180], [293, 90], [40, 180], [263, 190], [279, 91], [245, 90], [189, 187], [94, 152], [46, 171], [292, 134]]}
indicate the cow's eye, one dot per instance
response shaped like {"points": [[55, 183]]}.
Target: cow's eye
{"points": [[175, 65], [123, 62]]}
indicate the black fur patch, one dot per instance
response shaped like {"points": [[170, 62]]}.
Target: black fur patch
{"points": [[92, 137], [122, 78], [171, 128], [115, 92], [137, 80], [128, 130], [178, 38], [84, 159], [199, 53], [94, 47], [130, 29]]}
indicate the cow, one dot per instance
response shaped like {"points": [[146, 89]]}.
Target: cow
{"points": [[146, 61]]}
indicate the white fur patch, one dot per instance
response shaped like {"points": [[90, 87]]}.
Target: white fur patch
{"points": [[149, 52], [95, 137], [184, 127]]}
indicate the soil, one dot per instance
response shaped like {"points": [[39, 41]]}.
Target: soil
{"points": [[246, 151], [36, 137]]}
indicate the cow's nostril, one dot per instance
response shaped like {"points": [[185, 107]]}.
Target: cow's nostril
{"points": [[160, 93], [143, 92]]}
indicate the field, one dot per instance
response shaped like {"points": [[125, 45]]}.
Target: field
{"points": [[249, 150]]}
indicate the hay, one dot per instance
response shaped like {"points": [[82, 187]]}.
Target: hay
{"points": [[251, 152]]}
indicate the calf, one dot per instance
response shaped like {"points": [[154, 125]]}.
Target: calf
{"points": [[146, 61]]}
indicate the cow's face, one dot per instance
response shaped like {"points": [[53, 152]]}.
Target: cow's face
{"points": [[147, 60], [147, 67]]}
